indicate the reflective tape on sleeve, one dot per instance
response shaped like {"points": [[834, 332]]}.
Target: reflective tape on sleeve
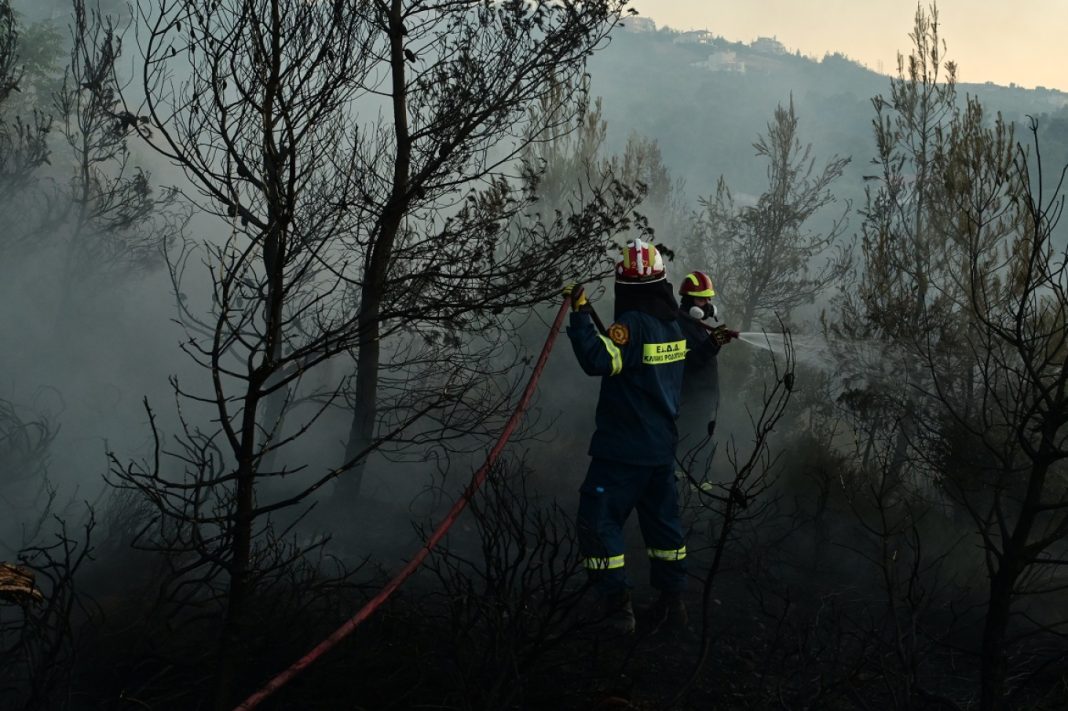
{"points": [[615, 354]]}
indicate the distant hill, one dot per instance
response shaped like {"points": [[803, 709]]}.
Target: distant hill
{"points": [[705, 99]]}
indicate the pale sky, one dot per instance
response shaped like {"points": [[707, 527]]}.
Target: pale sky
{"points": [[1021, 41]]}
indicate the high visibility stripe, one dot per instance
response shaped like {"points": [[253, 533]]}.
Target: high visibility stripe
{"points": [[672, 555], [707, 293], [660, 353], [609, 563], [615, 353]]}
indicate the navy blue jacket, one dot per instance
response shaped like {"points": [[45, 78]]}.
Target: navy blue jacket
{"points": [[700, 402], [642, 365]]}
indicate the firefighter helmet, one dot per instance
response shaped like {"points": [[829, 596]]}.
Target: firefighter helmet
{"points": [[641, 264], [697, 284]]}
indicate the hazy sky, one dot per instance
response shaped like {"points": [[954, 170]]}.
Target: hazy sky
{"points": [[991, 40]]}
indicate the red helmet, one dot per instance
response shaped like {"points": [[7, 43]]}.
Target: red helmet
{"points": [[697, 284], [641, 264]]}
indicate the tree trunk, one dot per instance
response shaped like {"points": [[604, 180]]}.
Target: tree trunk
{"points": [[747, 317], [231, 650], [1011, 563], [365, 409], [232, 641], [274, 414], [906, 431], [994, 665]]}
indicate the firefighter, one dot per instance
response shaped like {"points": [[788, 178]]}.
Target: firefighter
{"points": [[641, 360], [700, 400]]}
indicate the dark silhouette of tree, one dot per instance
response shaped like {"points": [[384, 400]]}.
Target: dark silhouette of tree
{"points": [[364, 159], [763, 254], [510, 601], [460, 115], [743, 497], [116, 222], [903, 246], [964, 285], [995, 414], [23, 140], [99, 212], [37, 628]]}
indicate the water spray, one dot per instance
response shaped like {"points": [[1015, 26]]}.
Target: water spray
{"points": [[760, 339], [875, 359], [812, 350]]}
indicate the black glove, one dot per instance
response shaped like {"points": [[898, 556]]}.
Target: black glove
{"points": [[711, 427], [723, 335]]}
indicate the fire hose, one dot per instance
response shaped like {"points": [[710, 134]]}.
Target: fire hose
{"points": [[476, 482]]}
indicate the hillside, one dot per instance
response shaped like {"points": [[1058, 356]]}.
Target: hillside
{"points": [[705, 98]]}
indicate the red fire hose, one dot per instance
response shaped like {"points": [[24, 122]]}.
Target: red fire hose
{"points": [[476, 481]]}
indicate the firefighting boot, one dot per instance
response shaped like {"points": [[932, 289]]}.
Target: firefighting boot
{"points": [[668, 616], [617, 615]]}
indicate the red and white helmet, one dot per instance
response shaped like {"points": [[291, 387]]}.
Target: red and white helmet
{"points": [[697, 284], [641, 264]]}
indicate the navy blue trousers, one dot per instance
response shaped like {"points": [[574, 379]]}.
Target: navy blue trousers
{"points": [[607, 496]]}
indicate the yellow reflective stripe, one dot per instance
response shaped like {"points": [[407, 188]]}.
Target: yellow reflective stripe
{"points": [[610, 563], [658, 554], [615, 353], [704, 293], [660, 353]]}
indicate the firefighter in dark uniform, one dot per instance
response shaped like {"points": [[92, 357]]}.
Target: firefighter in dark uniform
{"points": [[641, 360], [699, 405]]}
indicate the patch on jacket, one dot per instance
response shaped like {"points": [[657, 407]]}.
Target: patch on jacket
{"points": [[619, 334], [660, 353]]}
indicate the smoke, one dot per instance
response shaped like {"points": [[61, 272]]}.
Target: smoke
{"points": [[842, 361]]}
